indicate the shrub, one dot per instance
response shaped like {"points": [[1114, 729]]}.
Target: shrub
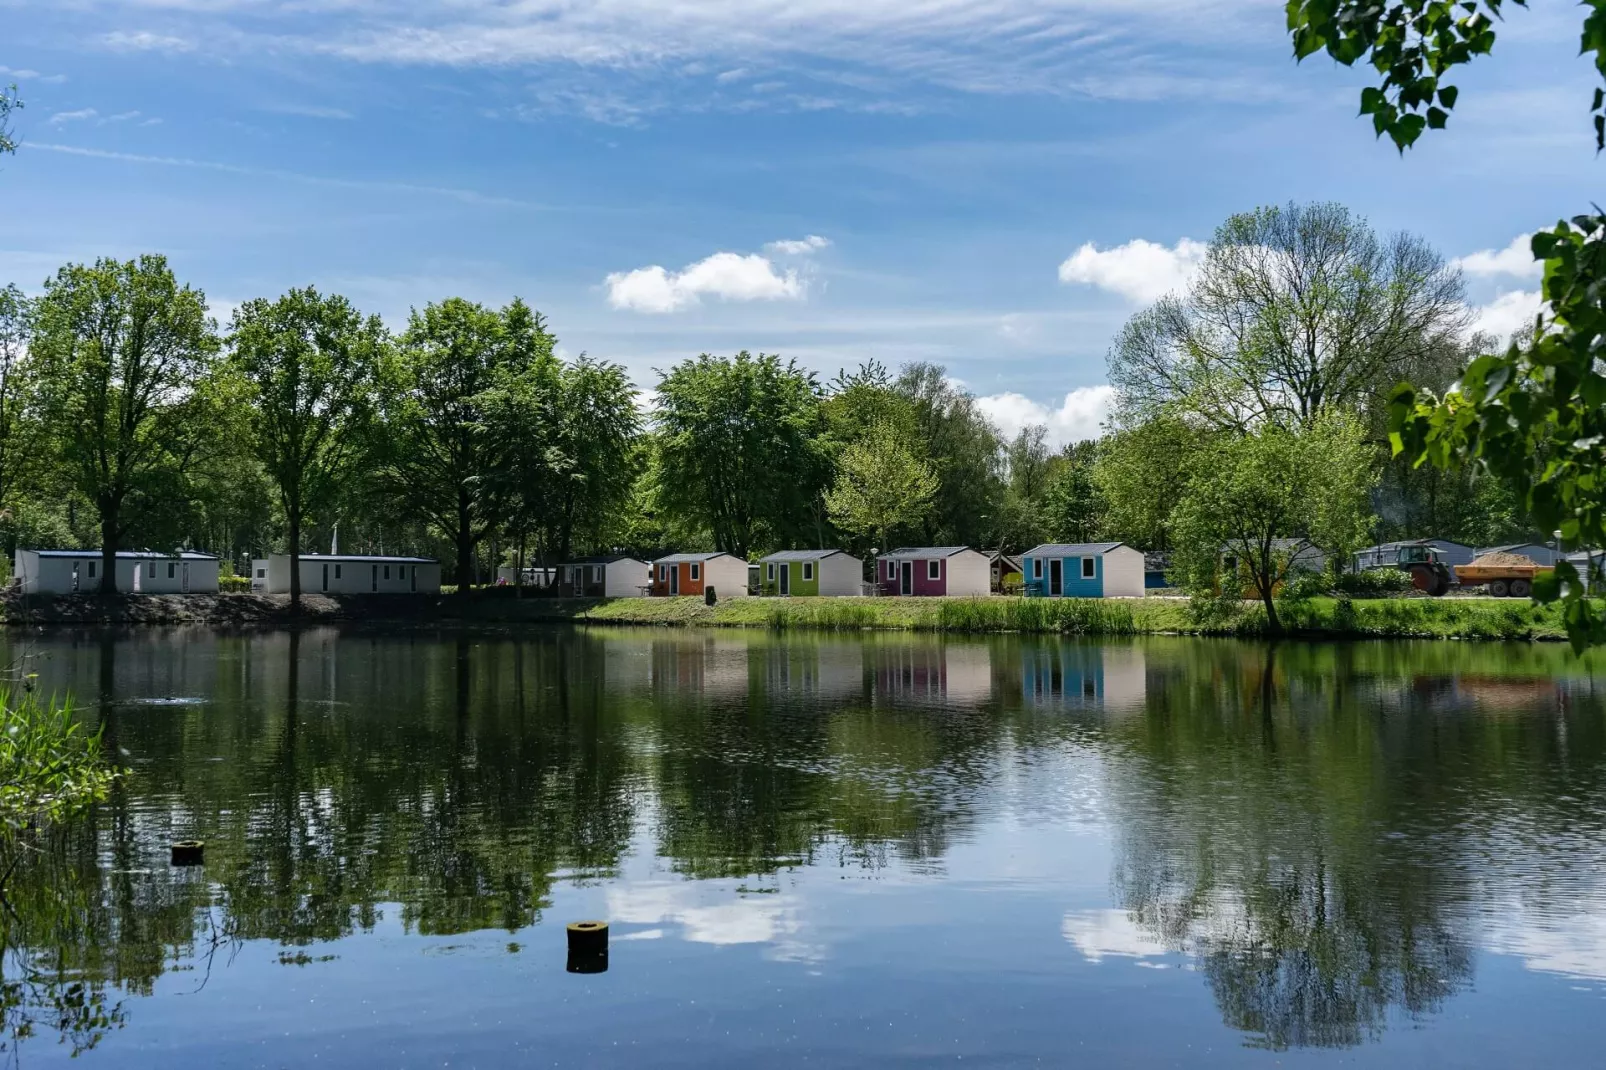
{"points": [[1374, 583], [49, 763], [1303, 586], [234, 584]]}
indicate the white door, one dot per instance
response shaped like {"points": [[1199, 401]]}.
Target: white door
{"points": [[184, 577]]}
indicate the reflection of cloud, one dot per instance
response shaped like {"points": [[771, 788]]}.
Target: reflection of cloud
{"points": [[1098, 933], [1572, 945], [710, 913]]}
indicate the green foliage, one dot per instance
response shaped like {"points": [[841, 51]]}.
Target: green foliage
{"points": [[1295, 311], [1264, 499], [125, 361], [1374, 583], [1141, 472], [882, 485], [964, 452], [21, 432], [740, 450], [1074, 507], [1303, 586], [9, 102], [49, 764]]}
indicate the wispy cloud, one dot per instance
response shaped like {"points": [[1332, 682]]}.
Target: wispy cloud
{"points": [[145, 41], [25, 74], [798, 247], [62, 118], [309, 111]]}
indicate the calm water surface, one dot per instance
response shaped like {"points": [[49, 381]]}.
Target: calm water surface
{"points": [[819, 851]]}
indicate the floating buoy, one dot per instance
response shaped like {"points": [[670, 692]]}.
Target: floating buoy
{"points": [[189, 853], [587, 961], [588, 936]]}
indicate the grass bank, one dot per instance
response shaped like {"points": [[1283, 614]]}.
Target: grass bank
{"points": [[1417, 618]]}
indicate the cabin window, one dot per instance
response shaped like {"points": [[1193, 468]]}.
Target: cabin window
{"points": [[933, 570], [661, 573], [170, 570], [892, 570], [337, 572], [1230, 564], [152, 571], [262, 573], [769, 571], [1087, 568], [92, 570], [387, 572], [808, 570], [696, 572], [1037, 568]]}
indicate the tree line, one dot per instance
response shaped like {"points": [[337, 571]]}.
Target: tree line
{"points": [[1249, 407]]}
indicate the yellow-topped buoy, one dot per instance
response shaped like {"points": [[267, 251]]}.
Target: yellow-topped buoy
{"points": [[588, 936], [188, 853]]}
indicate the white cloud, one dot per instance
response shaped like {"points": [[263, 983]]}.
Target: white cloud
{"points": [[800, 247], [81, 115], [1508, 313], [728, 276], [144, 41], [1080, 416], [1516, 259], [1141, 271]]}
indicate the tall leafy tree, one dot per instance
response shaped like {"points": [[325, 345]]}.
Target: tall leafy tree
{"points": [[1140, 473], [308, 364], [125, 357], [440, 454], [882, 485], [1295, 310], [964, 451], [597, 427], [1073, 506], [9, 102], [739, 450], [1262, 499], [20, 431], [1535, 414]]}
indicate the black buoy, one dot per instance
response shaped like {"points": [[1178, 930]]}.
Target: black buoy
{"points": [[708, 596], [189, 853], [588, 947]]}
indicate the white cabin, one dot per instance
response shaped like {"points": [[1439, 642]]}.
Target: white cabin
{"points": [[138, 572], [348, 574]]}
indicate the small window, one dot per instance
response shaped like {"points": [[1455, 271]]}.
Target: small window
{"points": [[1037, 568], [387, 572], [892, 570], [337, 572], [170, 570], [262, 573], [933, 570], [1088, 568], [696, 572], [92, 570], [769, 571], [152, 571], [808, 570], [662, 572]]}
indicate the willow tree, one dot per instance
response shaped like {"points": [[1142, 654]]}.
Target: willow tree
{"points": [[308, 364], [125, 357]]}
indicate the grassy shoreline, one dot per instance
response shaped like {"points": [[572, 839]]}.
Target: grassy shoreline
{"points": [[1319, 618]]}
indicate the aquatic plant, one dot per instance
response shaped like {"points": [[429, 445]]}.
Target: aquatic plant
{"points": [[50, 764]]}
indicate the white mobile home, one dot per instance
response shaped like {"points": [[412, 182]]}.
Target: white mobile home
{"points": [[606, 576], [138, 572], [348, 574]]}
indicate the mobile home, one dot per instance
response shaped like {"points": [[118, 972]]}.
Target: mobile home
{"points": [[138, 572], [607, 576], [1084, 570], [693, 574], [811, 572], [934, 571], [348, 574]]}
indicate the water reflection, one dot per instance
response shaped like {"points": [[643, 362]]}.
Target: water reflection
{"points": [[1327, 838]]}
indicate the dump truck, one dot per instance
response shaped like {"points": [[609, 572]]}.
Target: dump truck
{"points": [[1501, 579], [1428, 571]]}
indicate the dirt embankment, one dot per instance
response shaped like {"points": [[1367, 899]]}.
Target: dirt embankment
{"points": [[224, 610]]}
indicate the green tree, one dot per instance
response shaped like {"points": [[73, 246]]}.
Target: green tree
{"points": [[125, 357], [881, 485], [1295, 310], [9, 102], [740, 451], [308, 364], [1536, 414], [964, 452], [597, 428], [441, 457], [1074, 507], [1140, 473], [20, 431], [1263, 499]]}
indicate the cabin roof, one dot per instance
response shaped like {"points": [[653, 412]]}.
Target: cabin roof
{"points": [[1072, 549], [799, 555], [129, 555], [377, 559], [604, 559], [924, 553], [678, 559]]}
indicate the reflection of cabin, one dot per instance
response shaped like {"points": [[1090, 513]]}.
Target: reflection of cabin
{"points": [[138, 572], [1084, 570], [1080, 674], [710, 666], [954, 674], [348, 574], [817, 669], [607, 576], [933, 571], [1387, 554], [694, 573], [1537, 552], [1004, 572], [811, 572]]}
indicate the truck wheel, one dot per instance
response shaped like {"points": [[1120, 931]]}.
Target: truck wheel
{"points": [[1521, 588], [1499, 588], [1423, 579]]}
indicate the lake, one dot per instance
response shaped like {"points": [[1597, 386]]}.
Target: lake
{"points": [[818, 850]]}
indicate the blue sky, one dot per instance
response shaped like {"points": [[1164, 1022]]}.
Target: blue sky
{"points": [[993, 185]]}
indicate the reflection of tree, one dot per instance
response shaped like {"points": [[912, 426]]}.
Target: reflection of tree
{"points": [[1300, 820]]}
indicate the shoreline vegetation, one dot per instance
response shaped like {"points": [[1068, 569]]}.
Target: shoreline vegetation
{"points": [[1313, 618]]}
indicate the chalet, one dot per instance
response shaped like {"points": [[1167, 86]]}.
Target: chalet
{"points": [[605, 576], [934, 571], [811, 572], [693, 574], [1003, 571], [348, 574], [1084, 570], [138, 572]]}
